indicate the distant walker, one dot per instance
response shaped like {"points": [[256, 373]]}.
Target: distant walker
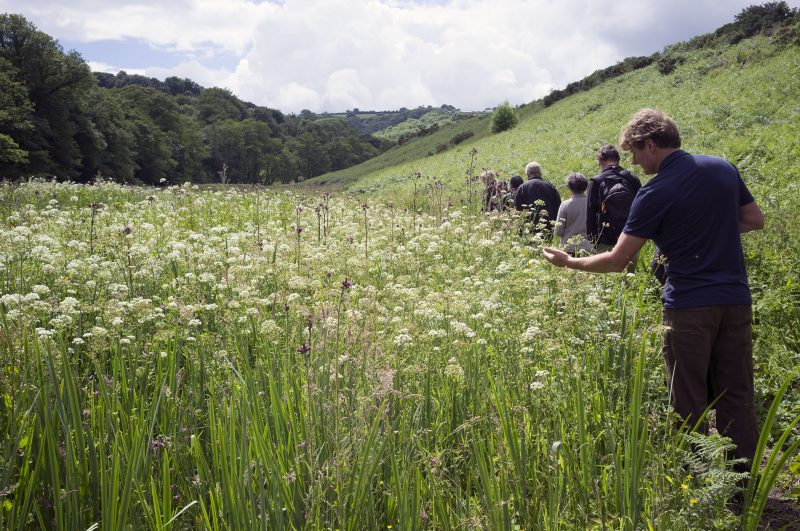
{"points": [[541, 199]]}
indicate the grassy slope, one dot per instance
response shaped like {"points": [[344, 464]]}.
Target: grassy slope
{"points": [[741, 102]]}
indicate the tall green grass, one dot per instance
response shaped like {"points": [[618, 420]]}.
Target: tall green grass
{"points": [[188, 359]]}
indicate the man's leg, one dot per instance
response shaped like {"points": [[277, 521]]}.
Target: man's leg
{"points": [[687, 345], [731, 378]]}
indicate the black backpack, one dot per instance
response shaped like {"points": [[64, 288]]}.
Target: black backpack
{"points": [[616, 195]]}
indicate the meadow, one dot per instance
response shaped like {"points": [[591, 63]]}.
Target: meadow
{"points": [[237, 359], [385, 356]]}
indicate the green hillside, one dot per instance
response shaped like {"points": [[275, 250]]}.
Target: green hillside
{"points": [[391, 124], [740, 101]]}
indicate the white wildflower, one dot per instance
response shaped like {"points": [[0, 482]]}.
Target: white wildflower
{"points": [[532, 333]]}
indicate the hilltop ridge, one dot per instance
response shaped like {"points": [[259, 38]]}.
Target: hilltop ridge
{"points": [[562, 129]]}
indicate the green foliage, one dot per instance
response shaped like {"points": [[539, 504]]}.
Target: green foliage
{"points": [[212, 359], [756, 19], [629, 64], [16, 112], [10, 153], [52, 130], [724, 103], [58, 119], [771, 17], [216, 104], [470, 128], [428, 123], [504, 118], [241, 359], [667, 63], [391, 125]]}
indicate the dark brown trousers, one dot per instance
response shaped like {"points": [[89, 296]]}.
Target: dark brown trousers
{"points": [[709, 355]]}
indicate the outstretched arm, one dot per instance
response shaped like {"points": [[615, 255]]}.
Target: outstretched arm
{"points": [[750, 217], [614, 261]]}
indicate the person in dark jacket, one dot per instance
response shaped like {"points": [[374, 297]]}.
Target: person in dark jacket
{"points": [[508, 198], [604, 222], [610, 198], [541, 199]]}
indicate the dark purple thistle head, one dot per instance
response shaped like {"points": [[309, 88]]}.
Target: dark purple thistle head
{"points": [[304, 349], [347, 283]]}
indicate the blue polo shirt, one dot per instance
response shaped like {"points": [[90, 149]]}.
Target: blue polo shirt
{"points": [[690, 209]]}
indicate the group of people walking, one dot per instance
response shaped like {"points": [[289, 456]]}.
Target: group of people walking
{"points": [[591, 220], [694, 209]]}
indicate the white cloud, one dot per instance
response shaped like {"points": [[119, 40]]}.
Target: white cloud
{"points": [[386, 54], [191, 26], [97, 66], [196, 71]]}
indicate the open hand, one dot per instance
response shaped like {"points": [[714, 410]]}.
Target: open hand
{"points": [[555, 256]]}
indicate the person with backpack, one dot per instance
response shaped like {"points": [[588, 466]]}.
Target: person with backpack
{"points": [[609, 201]]}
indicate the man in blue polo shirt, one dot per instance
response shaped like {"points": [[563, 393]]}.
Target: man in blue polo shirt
{"points": [[694, 209]]}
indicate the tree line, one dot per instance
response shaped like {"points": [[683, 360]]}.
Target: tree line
{"points": [[59, 119]]}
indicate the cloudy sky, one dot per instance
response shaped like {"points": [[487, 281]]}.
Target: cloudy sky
{"points": [[334, 55]]}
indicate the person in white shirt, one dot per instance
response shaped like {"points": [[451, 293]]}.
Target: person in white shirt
{"points": [[571, 226]]}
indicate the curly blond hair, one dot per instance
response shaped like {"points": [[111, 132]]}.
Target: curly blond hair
{"points": [[653, 124]]}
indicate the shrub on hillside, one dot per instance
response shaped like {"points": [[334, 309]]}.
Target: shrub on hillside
{"points": [[460, 137], [667, 63], [505, 117], [788, 35], [441, 148]]}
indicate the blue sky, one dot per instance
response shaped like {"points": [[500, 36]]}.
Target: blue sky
{"points": [[333, 55], [139, 54]]}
